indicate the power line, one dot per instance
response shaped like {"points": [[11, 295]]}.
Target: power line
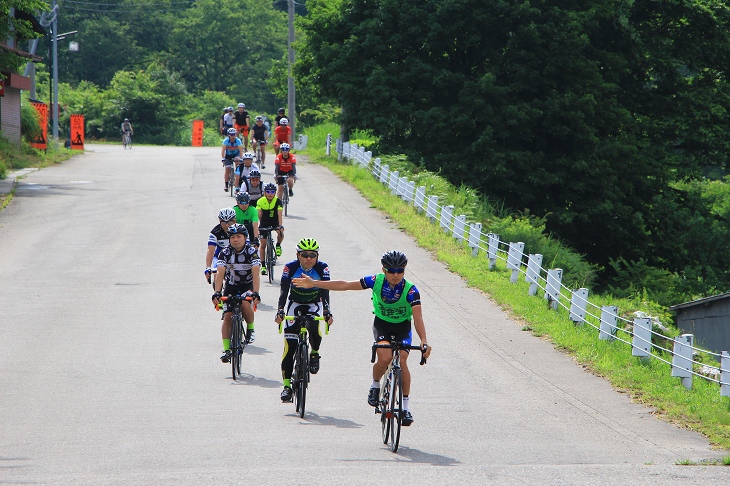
{"points": [[126, 4]]}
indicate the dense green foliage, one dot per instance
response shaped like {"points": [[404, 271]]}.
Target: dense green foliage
{"points": [[19, 29], [589, 114]]}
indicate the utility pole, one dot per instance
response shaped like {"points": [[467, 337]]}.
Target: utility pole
{"points": [[54, 108], [291, 102]]}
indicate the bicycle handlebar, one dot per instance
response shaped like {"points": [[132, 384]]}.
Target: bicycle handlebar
{"points": [[226, 298], [399, 346], [314, 318]]}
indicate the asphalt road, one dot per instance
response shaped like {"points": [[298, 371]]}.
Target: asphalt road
{"points": [[109, 347]]}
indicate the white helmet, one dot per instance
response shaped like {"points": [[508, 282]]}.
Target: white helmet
{"points": [[248, 155], [283, 121], [227, 214], [241, 105]]}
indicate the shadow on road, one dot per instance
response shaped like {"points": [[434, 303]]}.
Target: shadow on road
{"points": [[249, 380], [414, 455], [314, 419]]}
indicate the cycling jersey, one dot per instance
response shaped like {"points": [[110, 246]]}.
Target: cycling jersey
{"points": [[285, 164], [126, 127], [392, 304], [241, 118], [269, 212], [256, 192], [232, 148], [218, 238], [278, 119], [244, 171], [246, 218], [259, 132], [320, 271], [228, 120], [239, 265], [282, 133]]}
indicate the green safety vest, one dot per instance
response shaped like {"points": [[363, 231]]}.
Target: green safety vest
{"points": [[398, 311]]}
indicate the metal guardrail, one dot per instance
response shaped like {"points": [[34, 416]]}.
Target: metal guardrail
{"points": [[636, 333]]}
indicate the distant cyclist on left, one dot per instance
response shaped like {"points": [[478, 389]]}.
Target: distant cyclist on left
{"points": [[230, 150]]}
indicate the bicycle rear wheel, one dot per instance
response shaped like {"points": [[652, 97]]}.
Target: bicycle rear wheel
{"points": [[302, 363], [396, 412], [232, 179]]}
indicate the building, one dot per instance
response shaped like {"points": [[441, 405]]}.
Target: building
{"points": [[708, 320]]}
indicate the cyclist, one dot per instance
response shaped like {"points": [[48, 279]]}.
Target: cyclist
{"points": [[247, 216], [282, 134], [218, 239], [221, 127], [243, 170], [228, 119], [240, 269], [270, 216], [126, 128], [255, 188], [230, 150], [242, 121], [285, 164], [259, 137], [312, 301], [281, 113], [396, 301]]}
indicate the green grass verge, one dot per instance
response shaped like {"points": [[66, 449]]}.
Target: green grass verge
{"points": [[701, 409]]}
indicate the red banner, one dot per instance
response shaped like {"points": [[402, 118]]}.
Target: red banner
{"points": [[2, 87], [41, 141], [77, 132], [197, 133]]}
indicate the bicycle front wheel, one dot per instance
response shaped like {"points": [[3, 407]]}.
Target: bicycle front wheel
{"points": [[396, 411], [236, 351], [232, 180], [302, 363], [285, 201], [270, 259]]}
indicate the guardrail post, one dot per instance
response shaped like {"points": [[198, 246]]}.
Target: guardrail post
{"points": [[609, 315], [445, 219], [475, 232], [329, 143], [534, 261], [492, 249], [641, 343], [346, 150], [725, 374], [368, 157], [420, 198], [459, 227], [409, 189], [552, 287], [578, 301], [402, 185], [682, 359], [431, 207], [393, 182], [514, 259], [384, 174], [376, 168]]}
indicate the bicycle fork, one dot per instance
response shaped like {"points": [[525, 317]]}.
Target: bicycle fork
{"points": [[385, 391]]}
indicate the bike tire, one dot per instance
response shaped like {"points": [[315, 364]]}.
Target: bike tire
{"points": [[285, 201], [235, 345], [303, 377], [232, 180], [270, 259], [384, 408], [396, 409]]}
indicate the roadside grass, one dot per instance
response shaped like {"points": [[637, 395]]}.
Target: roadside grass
{"points": [[701, 409]]}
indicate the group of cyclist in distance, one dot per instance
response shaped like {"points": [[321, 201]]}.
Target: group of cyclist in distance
{"points": [[236, 250]]}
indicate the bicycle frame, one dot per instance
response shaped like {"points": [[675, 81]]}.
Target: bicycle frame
{"points": [[239, 339]]}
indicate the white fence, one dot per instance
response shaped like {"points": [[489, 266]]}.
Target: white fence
{"points": [[636, 333]]}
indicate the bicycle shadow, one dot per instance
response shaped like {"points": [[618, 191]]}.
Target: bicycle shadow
{"points": [[314, 419], [420, 457], [255, 350], [301, 218], [247, 379]]}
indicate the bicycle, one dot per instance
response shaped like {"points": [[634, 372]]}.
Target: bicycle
{"points": [[232, 175], [285, 193], [127, 140], [270, 251], [391, 393], [258, 154], [238, 342], [300, 376]]}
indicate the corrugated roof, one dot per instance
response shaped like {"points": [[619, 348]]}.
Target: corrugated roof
{"points": [[702, 301]]}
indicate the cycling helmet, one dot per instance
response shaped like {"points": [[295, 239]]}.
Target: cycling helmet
{"points": [[230, 108], [283, 121], [241, 105], [285, 147], [237, 229], [259, 118], [231, 131], [126, 119], [227, 214], [281, 110], [243, 198], [270, 187], [307, 244], [254, 173], [248, 155], [394, 259]]}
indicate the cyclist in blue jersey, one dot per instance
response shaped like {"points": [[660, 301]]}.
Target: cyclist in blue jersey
{"points": [[218, 239], [313, 300], [230, 151], [396, 301]]}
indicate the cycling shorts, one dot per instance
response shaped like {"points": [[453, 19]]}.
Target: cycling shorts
{"points": [[229, 160], [242, 129], [236, 289], [263, 234], [262, 142], [383, 330], [291, 173]]}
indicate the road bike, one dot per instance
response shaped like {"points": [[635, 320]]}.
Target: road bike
{"points": [[285, 193], [270, 251], [259, 154], [232, 175], [300, 376], [390, 401], [127, 140], [239, 340]]}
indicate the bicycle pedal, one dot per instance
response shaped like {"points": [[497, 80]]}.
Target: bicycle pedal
{"points": [[377, 409]]}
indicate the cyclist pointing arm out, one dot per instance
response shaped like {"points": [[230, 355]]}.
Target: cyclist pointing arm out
{"points": [[396, 301]]}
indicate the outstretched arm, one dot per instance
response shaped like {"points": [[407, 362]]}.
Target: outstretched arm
{"points": [[306, 282]]}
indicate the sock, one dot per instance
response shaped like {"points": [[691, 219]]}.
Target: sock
{"points": [[314, 352], [250, 326], [375, 384], [287, 382], [226, 344], [405, 402]]}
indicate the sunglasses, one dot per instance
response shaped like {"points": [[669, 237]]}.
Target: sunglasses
{"points": [[307, 255], [270, 192], [395, 270]]}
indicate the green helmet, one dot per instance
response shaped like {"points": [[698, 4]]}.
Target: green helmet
{"points": [[307, 244]]}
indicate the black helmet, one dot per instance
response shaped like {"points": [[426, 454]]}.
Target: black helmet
{"points": [[270, 187], [394, 259], [243, 198], [254, 173], [237, 229], [281, 110]]}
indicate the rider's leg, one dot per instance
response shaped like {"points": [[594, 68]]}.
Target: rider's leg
{"points": [[384, 355], [279, 236], [226, 331]]}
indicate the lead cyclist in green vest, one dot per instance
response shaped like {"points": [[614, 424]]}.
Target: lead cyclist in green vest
{"points": [[396, 302]]}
